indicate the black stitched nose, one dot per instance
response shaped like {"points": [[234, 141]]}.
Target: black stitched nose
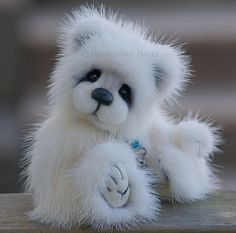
{"points": [[102, 96]]}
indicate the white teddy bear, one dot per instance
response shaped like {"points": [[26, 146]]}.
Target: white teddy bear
{"points": [[107, 148]]}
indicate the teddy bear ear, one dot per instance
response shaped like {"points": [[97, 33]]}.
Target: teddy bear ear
{"points": [[80, 39], [83, 31], [170, 70], [82, 26]]}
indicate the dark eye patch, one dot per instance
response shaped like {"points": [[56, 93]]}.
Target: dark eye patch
{"points": [[92, 76], [125, 93]]}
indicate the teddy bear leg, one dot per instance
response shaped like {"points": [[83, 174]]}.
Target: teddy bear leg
{"points": [[196, 141], [189, 177], [196, 138], [117, 189], [185, 161], [112, 190]]}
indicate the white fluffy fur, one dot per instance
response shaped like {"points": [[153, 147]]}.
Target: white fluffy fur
{"points": [[74, 153]]}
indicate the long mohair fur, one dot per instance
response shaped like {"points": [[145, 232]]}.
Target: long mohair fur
{"points": [[73, 153]]}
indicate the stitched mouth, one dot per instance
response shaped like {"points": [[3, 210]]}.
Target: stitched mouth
{"points": [[97, 108]]}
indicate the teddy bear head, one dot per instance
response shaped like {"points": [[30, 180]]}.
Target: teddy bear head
{"points": [[112, 72]]}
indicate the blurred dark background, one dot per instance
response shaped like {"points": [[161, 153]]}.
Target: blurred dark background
{"points": [[28, 47]]}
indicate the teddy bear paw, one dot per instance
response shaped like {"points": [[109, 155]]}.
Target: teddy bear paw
{"points": [[117, 190]]}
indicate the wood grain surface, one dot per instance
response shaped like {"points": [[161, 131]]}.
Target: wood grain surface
{"points": [[216, 214]]}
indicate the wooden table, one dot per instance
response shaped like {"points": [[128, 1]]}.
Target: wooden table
{"points": [[216, 214]]}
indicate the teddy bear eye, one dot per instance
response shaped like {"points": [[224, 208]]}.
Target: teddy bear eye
{"points": [[125, 93], [93, 75]]}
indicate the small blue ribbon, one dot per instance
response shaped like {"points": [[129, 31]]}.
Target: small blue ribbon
{"points": [[135, 145], [140, 151], [138, 148]]}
